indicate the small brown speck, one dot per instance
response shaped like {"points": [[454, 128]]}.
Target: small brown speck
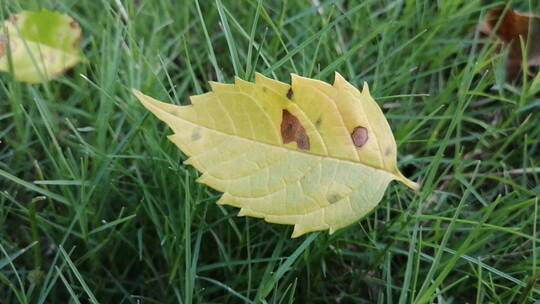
{"points": [[333, 198], [290, 94], [318, 122], [359, 136], [73, 24], [196, 135]]}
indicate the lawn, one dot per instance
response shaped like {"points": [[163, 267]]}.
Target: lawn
{"points": [[97, 207]]}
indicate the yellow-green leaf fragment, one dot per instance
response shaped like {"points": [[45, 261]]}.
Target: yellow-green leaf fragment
{"points": [[39, 46], [313, 155]]}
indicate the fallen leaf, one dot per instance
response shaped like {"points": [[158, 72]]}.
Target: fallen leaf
{"points": [[39, 45], [511, 27], [313, 155]]}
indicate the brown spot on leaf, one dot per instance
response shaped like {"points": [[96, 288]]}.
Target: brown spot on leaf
{"points": [[333, 198], [73, 24], [293, 131], [359, 136], [196, 135], [318, 122], [290, 94]]}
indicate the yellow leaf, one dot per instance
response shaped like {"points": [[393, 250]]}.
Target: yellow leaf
{"points": [[39, 46], [313, 155]]}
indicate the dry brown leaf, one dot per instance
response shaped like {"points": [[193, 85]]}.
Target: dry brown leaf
{"points": [[508, 26]]}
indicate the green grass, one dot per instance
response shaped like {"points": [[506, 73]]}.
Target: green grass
{"points": [[96, 206]]}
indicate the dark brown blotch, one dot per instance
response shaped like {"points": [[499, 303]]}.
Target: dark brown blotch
{"points": [[359, 136], [290, 94], [293, 131]]}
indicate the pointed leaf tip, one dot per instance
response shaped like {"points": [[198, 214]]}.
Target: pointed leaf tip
{"points": [[365, 89]]}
